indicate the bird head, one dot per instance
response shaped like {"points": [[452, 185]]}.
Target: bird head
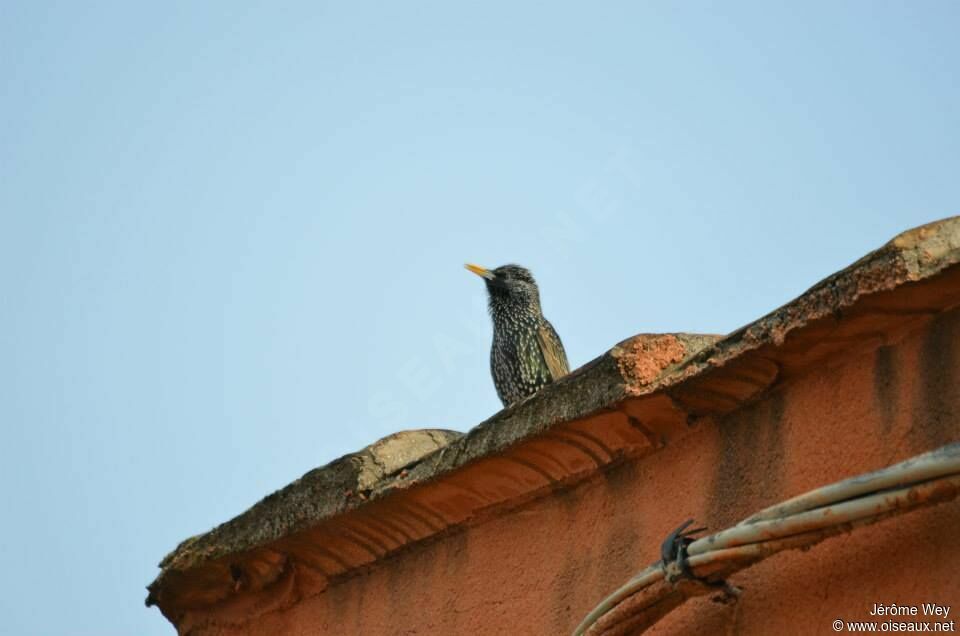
{"points": [[509, 284]]}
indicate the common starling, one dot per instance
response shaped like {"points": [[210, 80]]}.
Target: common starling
{"points": [[526, 353]]}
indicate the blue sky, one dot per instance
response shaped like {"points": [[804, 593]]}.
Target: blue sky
{"points": [[232, 234]]}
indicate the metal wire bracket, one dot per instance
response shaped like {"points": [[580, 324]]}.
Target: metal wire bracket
{"points": [[676, 566], [673, 552]]}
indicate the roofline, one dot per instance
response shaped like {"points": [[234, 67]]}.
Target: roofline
{"points": [[652, 386]]}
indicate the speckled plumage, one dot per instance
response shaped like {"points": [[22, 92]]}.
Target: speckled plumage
{"points": [[527, 353]]}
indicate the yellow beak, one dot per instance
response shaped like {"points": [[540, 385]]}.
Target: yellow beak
{"points": [[480, 271]]}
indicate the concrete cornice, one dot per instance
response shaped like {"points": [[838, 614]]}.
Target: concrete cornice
{"points": [[647, 391]]}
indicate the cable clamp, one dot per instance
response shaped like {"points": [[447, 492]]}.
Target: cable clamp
{"points": [[676, 566], [673, 553]]}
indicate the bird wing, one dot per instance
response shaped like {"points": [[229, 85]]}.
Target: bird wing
{"points": [[552, 350]]}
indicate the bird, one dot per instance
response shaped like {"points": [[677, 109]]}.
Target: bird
{"points": [[527, 353]]}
